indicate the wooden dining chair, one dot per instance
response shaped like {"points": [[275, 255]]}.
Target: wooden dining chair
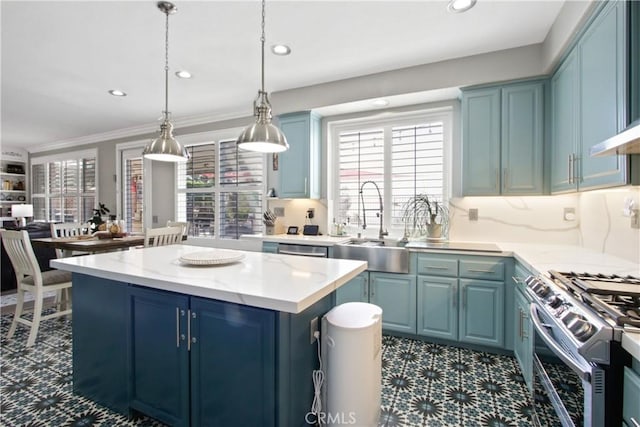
{"points": [[31, 279], [68, 229], [183, 224], [162, 236]]}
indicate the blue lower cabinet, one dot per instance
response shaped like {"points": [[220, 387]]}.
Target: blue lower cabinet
{"points": [[233, 347], [355, 290], [482, 312], [159, 355], [438, 307], [100, 341], [396, 295]]}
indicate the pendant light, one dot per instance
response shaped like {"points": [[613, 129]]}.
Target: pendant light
{"points": [[262, 136], [166, 148]]}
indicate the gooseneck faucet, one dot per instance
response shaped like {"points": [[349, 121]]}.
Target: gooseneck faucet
{"points": [[382, 233]]}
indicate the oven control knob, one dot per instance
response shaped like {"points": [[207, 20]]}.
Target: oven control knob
{"points": [[555, 301], [542, 290]]}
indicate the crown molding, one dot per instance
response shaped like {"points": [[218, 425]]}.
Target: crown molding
{"points": [[135, 131]]}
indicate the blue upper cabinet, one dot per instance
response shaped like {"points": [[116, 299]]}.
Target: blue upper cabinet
{"points": [[481, 142], [522, 139], [299, 166], [588, 105], [503, 140]]}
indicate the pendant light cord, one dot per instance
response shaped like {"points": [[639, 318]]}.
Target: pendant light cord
{"points": [[166, 67], [262, 40]]}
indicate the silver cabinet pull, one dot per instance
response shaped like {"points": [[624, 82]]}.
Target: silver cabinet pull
{"points": [[305, 185], [455, 295], [177, 327], [464, 297], [570, 169], [472, 270], [517, 279], [519, 322], [435, 267], [372, 288], [366, 288], [189, 331]]}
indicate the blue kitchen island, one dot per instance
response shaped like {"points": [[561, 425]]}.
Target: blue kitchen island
{"points": [[217, 345]]}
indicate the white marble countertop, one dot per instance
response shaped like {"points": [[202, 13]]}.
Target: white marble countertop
{"points": [[299, 239], [276, 282]]}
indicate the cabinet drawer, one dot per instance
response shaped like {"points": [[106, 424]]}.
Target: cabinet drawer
{"points": [[437, 266], [488, 270]]}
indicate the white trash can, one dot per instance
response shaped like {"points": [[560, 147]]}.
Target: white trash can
{"points": [[352, 344]]}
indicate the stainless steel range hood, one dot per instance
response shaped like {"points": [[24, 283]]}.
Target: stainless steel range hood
{"points": [[626, 142]]}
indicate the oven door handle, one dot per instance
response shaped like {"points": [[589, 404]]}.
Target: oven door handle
{"points": [[557, 350]]}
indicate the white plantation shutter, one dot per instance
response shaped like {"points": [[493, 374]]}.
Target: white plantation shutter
{"points": [[64, 190], [403, 156], [417, 157], [220, 190]]}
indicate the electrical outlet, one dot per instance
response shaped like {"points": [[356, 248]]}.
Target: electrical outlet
{"points": [[311, 213], [569, 214], [473, 214], [313, 328], [279, 211]]}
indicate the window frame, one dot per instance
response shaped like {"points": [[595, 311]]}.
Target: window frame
{"points": [[386, 121], [77, 156], [216, 137]]}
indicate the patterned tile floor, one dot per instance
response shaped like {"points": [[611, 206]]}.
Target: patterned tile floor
{"points": [[423, 385]]}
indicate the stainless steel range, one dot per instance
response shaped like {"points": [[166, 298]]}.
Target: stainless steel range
{"points": [[580, 319]]}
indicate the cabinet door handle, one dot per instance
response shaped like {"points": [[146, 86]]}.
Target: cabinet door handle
{"points": [[570, 169], [517, 279], [434, 267], [305, 185], [525, 317], [189, 331], [372, 288], [454, 289], [474, 270], [177, 327], [366, 288], [464, 297], [577, 173], [519, 322]]}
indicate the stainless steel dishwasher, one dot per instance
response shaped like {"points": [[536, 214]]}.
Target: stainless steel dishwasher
{"points": [[303, 250]]}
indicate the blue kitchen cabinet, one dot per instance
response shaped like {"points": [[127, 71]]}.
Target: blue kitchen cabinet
{"points": [[523, 341], [522, 138], [631, 397], [588, 105], [395, 293], [503, 139], [462, 298], [355, 290], [482, 312], [159, 355], [300, 165], [438, 307], [101, 366], [564, 127], [232, 338], [270, 247], [481, 142]]}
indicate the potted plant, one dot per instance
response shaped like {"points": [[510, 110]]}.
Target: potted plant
{"points": [[426, 216], [96, 220]]}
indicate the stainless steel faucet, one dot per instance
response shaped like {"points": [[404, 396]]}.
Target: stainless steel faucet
{"points": [[381, 233]]}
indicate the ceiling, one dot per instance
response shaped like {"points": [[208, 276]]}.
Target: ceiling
{"points": [[59, 58]]}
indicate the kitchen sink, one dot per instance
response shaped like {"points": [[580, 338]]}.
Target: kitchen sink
{"points": [[381, 255]]}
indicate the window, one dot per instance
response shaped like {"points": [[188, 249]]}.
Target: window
{"points": [[64, 187], [388, 161], [224, 183]]}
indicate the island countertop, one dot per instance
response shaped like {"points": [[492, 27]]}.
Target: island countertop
{"points": [[271, 281]]}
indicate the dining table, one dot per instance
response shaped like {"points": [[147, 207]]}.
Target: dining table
{"points": [[89, 244]]}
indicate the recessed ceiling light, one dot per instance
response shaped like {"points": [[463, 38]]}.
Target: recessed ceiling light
{"points": [[117, 92], [183, 74], [281, 49], [380, 102], [460, 5]]}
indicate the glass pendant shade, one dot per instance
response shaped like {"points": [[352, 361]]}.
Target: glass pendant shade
{"points": [[165, 147]]}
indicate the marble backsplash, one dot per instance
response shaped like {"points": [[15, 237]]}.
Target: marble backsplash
{"points": [[598, 222]]}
